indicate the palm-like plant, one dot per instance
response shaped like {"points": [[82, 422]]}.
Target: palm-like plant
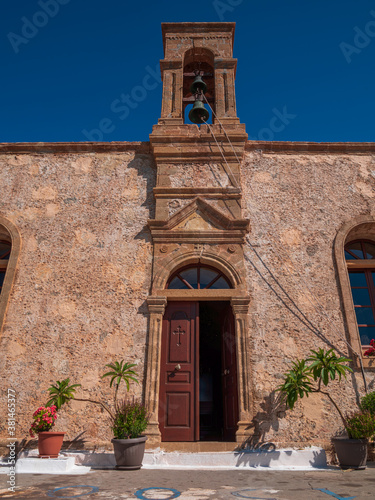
{"points": [[297, 382], [120, 371], [61, 393], [308, 375], [326, 365]]}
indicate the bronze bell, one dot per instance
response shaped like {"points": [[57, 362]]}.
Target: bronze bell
{"points": [[198, 113], [198, 85]]}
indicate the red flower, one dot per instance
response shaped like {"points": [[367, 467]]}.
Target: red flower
{"points": [[44, 419], [370, 351]]}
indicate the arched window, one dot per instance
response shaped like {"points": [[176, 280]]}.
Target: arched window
{"points": [[10, 244], [199, 277], [5, 248], [360, 260]]}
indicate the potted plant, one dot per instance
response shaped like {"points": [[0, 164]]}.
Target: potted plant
{"points": [[49, 443], [312, 375], [129, 423], [128, 419], [352, 451]]}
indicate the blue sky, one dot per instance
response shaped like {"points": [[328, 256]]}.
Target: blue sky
{"points": [[312, 62]]}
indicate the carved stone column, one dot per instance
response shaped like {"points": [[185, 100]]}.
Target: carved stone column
{"points": [[171, 112], [156, 307], [166, 110], [240, 306], [219, 94]]}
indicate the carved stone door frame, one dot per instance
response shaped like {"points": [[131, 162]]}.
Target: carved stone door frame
{"points": [[240, 306]]}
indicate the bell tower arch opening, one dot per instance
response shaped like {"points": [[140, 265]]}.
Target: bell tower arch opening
{"points": [[198, 85]]}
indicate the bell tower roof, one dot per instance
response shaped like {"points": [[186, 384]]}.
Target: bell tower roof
{"points": [[198, 31]]}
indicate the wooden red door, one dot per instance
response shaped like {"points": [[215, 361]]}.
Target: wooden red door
{"points": [[178, 403], [229, 374]]}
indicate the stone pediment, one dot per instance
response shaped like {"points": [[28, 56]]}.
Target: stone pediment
{"points": [[199, 221]]}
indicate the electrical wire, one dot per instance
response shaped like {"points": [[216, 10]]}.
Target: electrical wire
{"points": [[233, 179], [317, 305]]}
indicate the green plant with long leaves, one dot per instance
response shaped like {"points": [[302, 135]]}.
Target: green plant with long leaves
{"points": [[61, 392], [310, 375], [326, 365], [121, 371], [297, 382]]}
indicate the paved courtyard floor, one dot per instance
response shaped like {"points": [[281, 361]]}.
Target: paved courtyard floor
{"points": [[197, 485]]}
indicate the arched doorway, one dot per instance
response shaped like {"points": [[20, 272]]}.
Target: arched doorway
{"points": [[219, 298], [198, 394]]}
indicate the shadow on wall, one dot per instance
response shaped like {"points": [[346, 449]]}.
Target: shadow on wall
{"points": [[257, 452], [283, 458], [145, 167], [273, 409]]}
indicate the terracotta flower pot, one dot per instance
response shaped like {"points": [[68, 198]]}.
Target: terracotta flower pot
{"points": [[50, 443], [351, 453], [129, 452]]}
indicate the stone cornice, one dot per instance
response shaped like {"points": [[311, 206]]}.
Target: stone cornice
{"points": [[225, 63], [145, 147], [156, 305], [165, 65], [74, 147], [240, 305], [203, 30], [188, 36], [229, 192], [311, 147], [183, 143]]}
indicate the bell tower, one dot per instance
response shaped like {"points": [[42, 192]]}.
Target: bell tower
{"points": [[198, 69], [198, 216], [203, 50]]}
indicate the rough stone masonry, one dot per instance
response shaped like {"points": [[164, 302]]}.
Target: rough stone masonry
{"points": [[98, 228]]}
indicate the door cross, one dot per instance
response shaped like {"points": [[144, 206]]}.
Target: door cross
{"points": [[179, 332]]}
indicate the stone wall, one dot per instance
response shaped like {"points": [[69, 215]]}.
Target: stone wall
{"points": [[78, 300], [296, 204], [85, 266]]}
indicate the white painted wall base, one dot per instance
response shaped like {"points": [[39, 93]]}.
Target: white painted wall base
{"points": [[279, 459], [79, 462], [60, 465]]}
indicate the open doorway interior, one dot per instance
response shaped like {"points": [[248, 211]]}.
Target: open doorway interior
{"points": [[211, 415]]}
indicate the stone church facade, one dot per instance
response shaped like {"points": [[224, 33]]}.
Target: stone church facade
{"points": [[208, 260]]}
